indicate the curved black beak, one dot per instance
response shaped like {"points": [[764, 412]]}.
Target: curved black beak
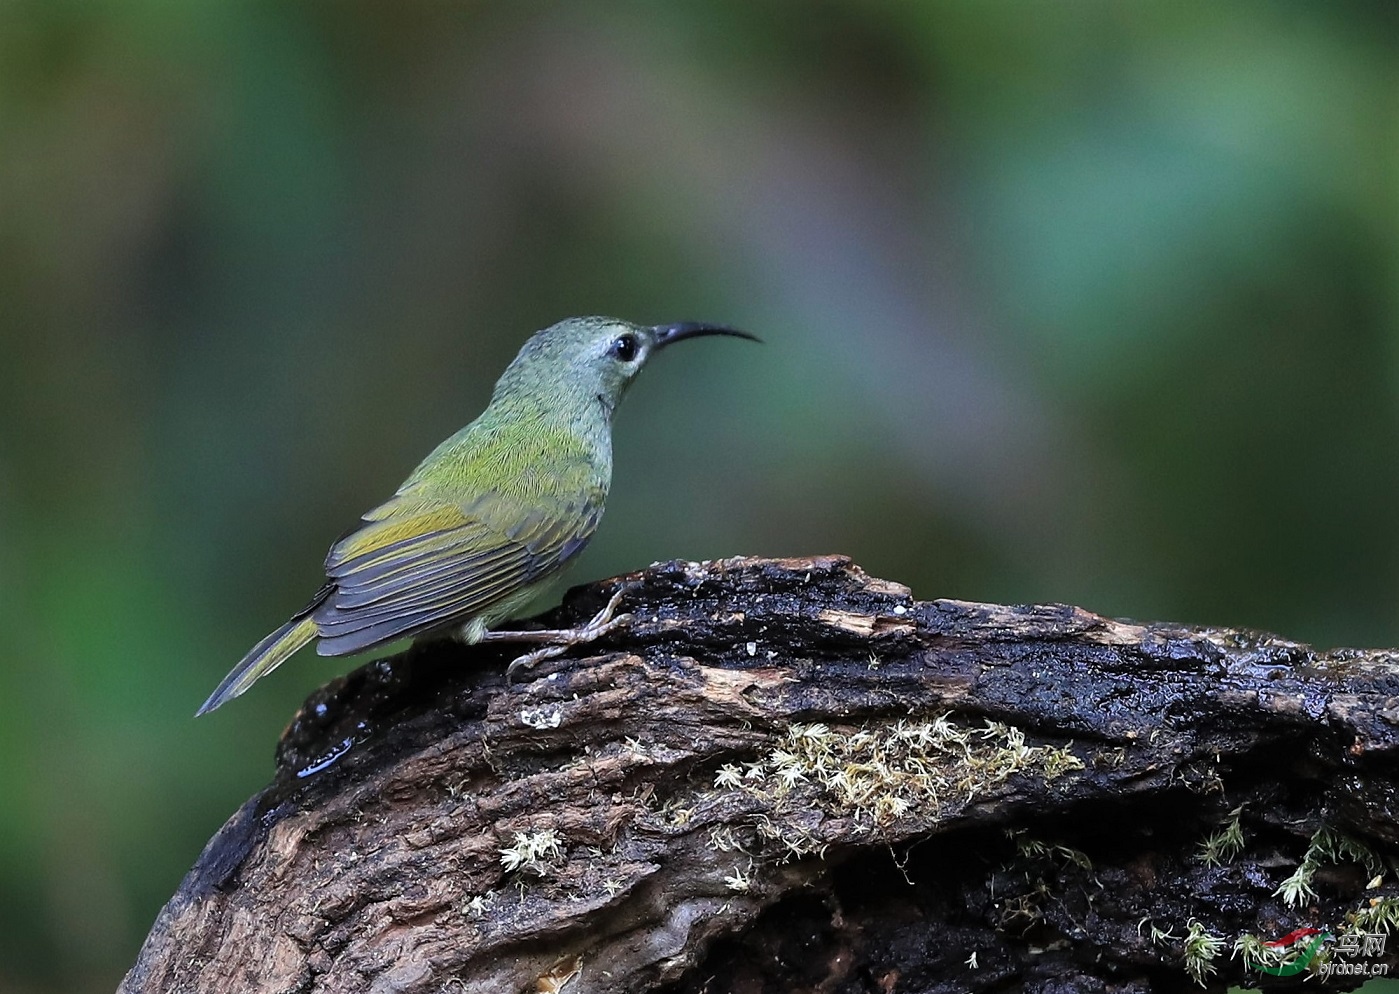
{"points": [[666, 334]]}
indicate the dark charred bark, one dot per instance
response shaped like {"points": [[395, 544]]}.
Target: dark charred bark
{"points": [[786, 776]]}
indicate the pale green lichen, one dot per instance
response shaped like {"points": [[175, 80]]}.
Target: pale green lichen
{"points": [[1031, 848], [1040, 862], [880, 773], [1199, 946], [475, 907], [1223, 845], [741, 879], [1380, 914], [1159, 936], [1257, 954], [1327, 846], [1202, 948], [1296, 888], [532, 851]]}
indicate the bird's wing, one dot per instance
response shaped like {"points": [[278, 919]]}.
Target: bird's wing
{"points": [[416, 564]]}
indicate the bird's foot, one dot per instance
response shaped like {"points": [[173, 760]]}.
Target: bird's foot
{"points": [[562, 639]]}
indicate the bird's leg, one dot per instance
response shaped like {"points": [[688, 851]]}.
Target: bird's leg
{"points": [[561, 639]]}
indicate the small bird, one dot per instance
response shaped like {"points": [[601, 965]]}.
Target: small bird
{"points": [[479, 529]]}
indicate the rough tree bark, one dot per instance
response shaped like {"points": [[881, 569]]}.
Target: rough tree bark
{"points": [[786, 776]]}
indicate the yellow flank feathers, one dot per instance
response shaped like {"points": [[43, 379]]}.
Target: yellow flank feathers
{"points": [[387, 525]]}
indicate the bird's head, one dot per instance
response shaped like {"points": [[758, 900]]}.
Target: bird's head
{"points": [[595, 357]]}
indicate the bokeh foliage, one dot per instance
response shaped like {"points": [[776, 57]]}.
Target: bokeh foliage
{"points": [[1087, 302]]}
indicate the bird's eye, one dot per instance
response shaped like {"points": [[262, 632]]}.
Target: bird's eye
{"points": [[624, 348]]}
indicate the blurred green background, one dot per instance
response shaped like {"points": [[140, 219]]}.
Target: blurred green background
{"points": [[1081, 302]]}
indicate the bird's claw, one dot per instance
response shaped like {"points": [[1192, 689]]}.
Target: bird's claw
{"points": [[529, 659], [597, 626]]}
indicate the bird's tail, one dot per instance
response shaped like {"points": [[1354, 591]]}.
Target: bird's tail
{"points": [[264, 657]]}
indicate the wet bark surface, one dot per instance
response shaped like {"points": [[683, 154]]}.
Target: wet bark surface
{"points": [[787, 776]]}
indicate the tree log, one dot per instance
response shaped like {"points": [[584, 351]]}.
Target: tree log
{"points": [[787, 776]]}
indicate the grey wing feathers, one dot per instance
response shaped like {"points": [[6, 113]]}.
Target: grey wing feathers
{"points": [[441, 576]]}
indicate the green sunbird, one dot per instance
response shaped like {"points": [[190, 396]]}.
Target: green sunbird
{"points": [[490, 516]]}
